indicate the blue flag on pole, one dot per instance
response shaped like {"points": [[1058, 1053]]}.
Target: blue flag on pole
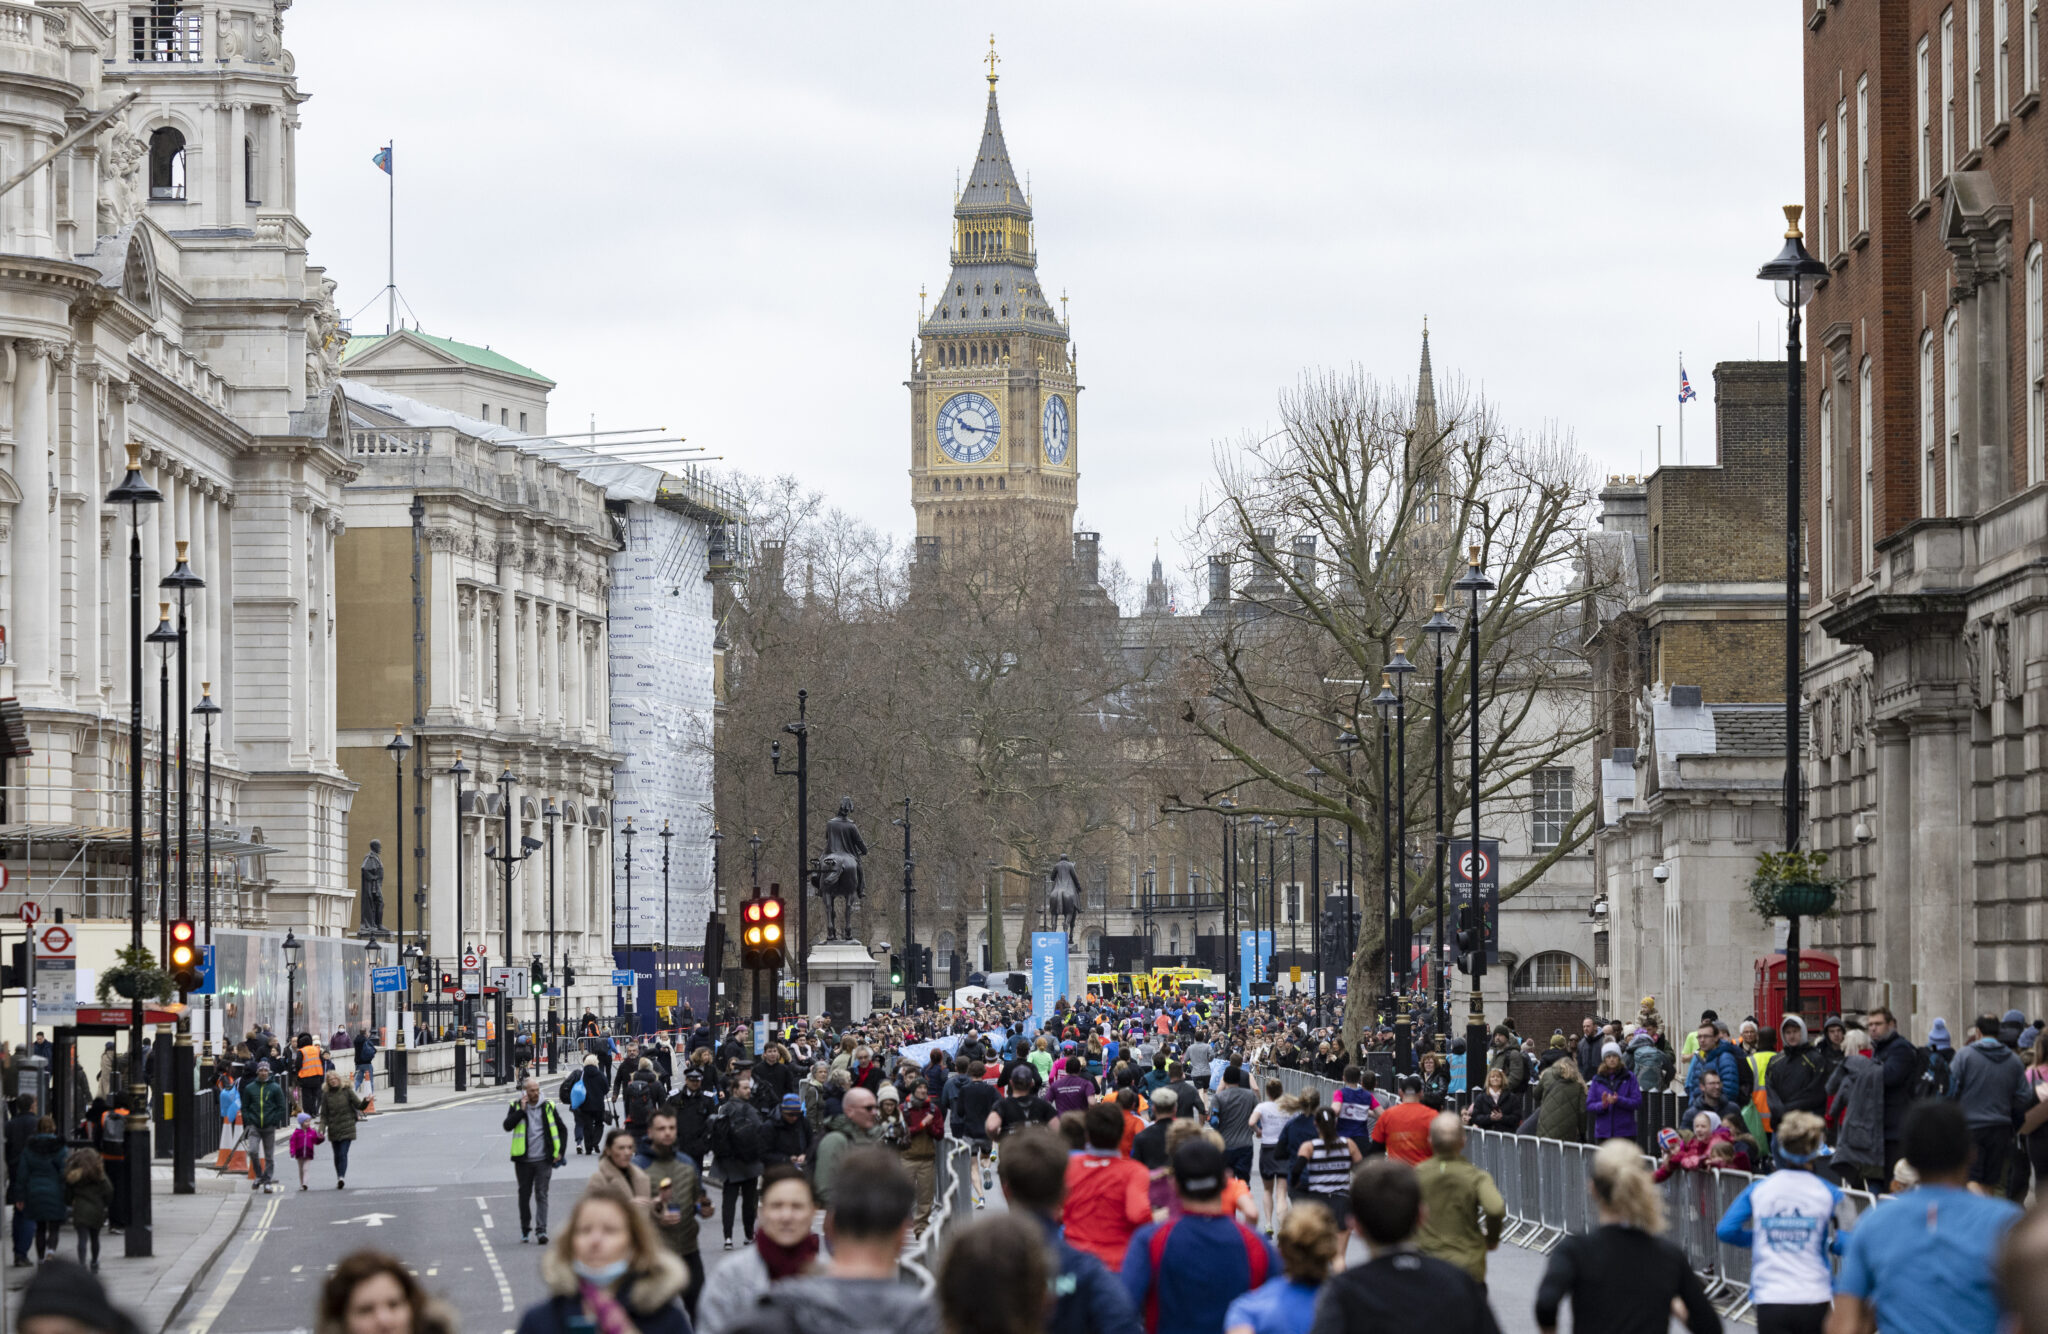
{"points": [[1685, 393], [383, 159]]}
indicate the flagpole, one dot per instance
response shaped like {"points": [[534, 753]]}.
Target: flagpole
{"points": [[1681, 411], [390, 237]]}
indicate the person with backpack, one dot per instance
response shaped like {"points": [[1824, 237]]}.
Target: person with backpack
{"points": [[642, 1095], [586, 1100], [1797, 1080], [694, 1106], [739, 1138], [366, 1062], [1651, 1063], [266, 1110], [1182, 1274]]}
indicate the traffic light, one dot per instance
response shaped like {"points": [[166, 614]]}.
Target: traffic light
{"points": [[761, 933], [568, 975], [1471, 949], [14, 973], [184, 955], [895, 970], [537, 977]]}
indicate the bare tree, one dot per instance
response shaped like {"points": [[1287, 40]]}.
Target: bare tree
{"points": [[1351, 519]]}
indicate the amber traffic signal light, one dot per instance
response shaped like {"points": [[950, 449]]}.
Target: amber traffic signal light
{"points": [[184, 955]]}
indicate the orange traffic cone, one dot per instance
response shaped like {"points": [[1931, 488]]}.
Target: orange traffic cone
{"points": [[370, 1105]]}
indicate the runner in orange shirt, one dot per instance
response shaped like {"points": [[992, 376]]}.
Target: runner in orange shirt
{"points": [[1404, 1128]]}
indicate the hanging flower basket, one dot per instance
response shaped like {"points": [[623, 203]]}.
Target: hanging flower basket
{"points": [[136, 977], [1805, 898], [1792, 884]]}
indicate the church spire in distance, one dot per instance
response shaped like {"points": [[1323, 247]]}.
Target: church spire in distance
{"points": [[1425, 392]]}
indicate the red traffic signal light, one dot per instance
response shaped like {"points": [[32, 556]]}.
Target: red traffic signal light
{"points": [[184, 959]]}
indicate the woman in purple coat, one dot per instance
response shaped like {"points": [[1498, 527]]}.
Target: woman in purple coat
{"points": [[1612, 1096]]}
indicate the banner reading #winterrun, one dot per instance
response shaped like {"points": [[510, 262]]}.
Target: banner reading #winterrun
{"points": [[1048, 972]]}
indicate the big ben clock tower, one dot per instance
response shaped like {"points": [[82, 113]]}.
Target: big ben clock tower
{"points": [[994, 420]]}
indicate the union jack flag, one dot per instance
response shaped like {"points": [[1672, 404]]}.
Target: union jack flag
{"points": [[1685, 392], [382, 160]]}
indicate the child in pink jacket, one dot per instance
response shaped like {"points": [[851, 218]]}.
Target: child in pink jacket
{"points": [[305, 1142]]}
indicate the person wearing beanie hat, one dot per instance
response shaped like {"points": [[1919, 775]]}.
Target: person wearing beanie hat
{"points": [[2010, 1026], [789, 1134], [1612, 1096], [1938, 1037], [62, 1297]]}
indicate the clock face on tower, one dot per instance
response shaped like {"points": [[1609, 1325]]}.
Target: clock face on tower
{"points": [[969, 427], [1053, 427]]}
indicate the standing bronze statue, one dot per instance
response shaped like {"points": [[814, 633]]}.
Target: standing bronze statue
{"points": [[373, 889], [838, 878]]}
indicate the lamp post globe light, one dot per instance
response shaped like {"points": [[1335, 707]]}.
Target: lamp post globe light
{"points": [[1474, 582], [1793, 274], [134, 491]]}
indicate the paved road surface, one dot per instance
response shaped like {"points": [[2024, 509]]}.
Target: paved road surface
{"points": [[435, 1188]]}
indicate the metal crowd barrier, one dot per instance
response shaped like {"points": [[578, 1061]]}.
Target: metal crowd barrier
{"points": [[952, 1208]]}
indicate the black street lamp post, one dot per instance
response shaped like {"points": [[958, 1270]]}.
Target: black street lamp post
{"points": [[1475, 582], [1439, 627], [707, 966], [459, 771], [165, 635], [626, 1014], [1315, 875], [397, 1059], [550, 814], [667, 967], [1384, 703], [1794, 274], [292, 947], [207, 711], [1404, 933], [1232, 954], [509, 858], [912, 974], [1272, 910], [801, 730], [1293, 899], [134, 492]]}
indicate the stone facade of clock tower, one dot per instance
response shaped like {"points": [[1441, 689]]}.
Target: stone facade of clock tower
{"points": [[994, 410]]}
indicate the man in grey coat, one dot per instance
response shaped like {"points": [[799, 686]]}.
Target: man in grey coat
{"points": [[1987, 1083]]}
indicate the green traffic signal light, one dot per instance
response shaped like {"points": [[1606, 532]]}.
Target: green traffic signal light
{"points": [[895, 971]]}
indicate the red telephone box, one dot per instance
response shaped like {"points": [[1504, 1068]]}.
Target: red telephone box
{"points": [[1820, 991]]}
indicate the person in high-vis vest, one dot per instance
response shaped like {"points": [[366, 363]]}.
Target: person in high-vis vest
{"points": [[540, 1142], [312, 1072]]}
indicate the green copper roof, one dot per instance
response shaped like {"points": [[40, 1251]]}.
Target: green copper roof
{"points": [[469, 352]]}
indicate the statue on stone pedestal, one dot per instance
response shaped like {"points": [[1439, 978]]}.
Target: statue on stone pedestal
{"points": [[1063, 895], [838, 877], [373, 889]]}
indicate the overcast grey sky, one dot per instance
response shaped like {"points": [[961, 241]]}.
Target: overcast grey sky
{"points": [[717, 217]]}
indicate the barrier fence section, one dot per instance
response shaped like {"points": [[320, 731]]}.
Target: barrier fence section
{"points": [[1543, 1182], [952, 1208]]}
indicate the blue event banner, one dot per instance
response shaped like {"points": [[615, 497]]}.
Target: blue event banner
{"points": [[1048, 972]]}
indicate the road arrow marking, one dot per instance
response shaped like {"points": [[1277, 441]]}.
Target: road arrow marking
{"points": [[374, 1220]]}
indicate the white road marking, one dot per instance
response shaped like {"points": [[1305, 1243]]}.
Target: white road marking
{"points": [[231, 1278], [297, 1268], [488, 1221], [497, 1270]]}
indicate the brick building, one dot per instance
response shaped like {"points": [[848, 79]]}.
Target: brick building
{"points": [[1689, 669], [1929, 521]]}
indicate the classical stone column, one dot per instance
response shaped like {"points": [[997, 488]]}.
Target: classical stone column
{"points": [[32, 637], [1940, 869]]}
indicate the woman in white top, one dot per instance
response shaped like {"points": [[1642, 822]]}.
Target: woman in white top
{"points": [[1268, 1120]]}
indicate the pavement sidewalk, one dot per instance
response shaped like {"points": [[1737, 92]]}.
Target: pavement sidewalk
{"points": [[189, 1231]]}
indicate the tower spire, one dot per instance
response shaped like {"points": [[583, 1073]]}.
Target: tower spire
{"points": [[1425, 392], [992, 59]]}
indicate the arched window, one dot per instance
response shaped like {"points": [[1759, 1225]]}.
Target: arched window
{"points": [[942, 955], [166, 164], [1554, 973]]}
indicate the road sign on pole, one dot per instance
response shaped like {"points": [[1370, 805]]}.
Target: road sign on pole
{"points": [[30, 912], [56, 975]]}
